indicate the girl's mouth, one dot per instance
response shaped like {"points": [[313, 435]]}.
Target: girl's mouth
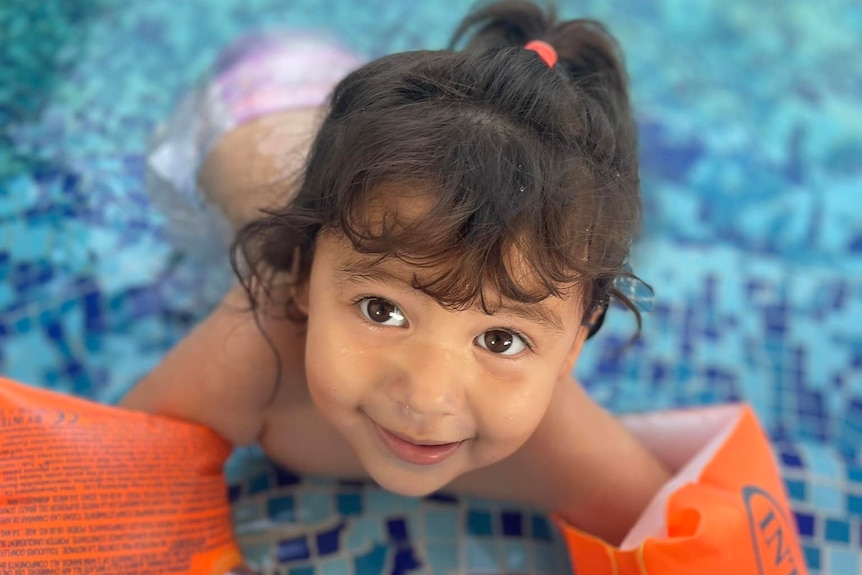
{"points": [[415, 453]]}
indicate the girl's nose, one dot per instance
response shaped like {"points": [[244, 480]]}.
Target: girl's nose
{"points": [[430, 381]]}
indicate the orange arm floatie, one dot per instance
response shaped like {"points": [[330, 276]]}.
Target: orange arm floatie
{"points": [[87, 488], [724, 512]]}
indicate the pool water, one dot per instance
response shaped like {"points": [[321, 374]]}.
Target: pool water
{"points": [[751, 138]]}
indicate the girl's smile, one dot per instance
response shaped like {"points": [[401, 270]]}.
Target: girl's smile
{"points": [[417, 452]]}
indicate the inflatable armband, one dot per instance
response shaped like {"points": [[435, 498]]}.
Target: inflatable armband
{"points": [[724, 512], [91, 489]]}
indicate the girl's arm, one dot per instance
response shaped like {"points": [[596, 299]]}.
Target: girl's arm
{"points": [[222, 374], [580, 463]]}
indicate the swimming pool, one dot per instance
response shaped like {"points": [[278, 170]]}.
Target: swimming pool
{"points": [[751, 136]]}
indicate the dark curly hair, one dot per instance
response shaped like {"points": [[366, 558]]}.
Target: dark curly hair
{"points": [[517, 156]]}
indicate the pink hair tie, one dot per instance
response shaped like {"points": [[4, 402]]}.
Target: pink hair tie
{"points": [[545, 51]]}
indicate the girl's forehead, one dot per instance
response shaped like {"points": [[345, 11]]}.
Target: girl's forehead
{"points": [[351, 266]]}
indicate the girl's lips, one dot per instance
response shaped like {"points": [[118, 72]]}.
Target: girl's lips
{"points": [[414, 453]]}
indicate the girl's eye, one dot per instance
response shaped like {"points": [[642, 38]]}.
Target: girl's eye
{"points": [[501, 342], [382, 311]]}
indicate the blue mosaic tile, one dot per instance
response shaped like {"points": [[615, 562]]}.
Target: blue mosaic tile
{"points": [[281, 508], [371, 562], [827, 497], [397, 530], [247, 511], [821, 461], [293, 549], [512, 523], [349, 503], [338, 566], [837, 531], [804, 524], [548, 559], [234, 492], [329, 541], [441, 523], [540, 529], [315, 506], [843, 562], [259, 484], [284, 478], [796, 490], [812, 556], [363, 532], [443, 498], [517, 556], [405, 561], [482, 554], [377, 501], [479, 522]]}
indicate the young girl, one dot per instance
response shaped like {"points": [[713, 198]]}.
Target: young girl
{"points": [[411, 310]]}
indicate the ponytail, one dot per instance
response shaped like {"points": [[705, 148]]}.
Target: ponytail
{"points": [[590, 59]]}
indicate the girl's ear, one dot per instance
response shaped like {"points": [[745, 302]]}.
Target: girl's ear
{"points": [[575, 351], [300, 298], [587, 329], [298, 292]]}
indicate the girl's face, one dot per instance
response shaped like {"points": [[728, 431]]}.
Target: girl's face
{"points": [[423, 393]]}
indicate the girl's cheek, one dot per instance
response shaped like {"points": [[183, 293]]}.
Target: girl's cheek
{"points": [[511, 416]]}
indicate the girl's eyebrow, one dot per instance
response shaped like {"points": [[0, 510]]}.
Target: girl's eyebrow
{"points": [[358, 271], [547, 318]]}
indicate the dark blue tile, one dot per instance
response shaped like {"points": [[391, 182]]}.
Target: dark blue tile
{"points": [[791, 459], [329, 541], [293, 550], [405, 560], [304, 570], [837, 531], [658, 372], [283, 477], [479, 522], [349, 503], [93, 316], [234, 492], [442, 498], [854, 474], [854, 504], [512, 523], [397, 530], [804, 524], [775, 320]]}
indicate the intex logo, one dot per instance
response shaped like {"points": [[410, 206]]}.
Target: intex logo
{"points": [[773, 537]]}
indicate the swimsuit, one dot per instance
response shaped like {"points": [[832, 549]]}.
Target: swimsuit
{"points": [[258, 75]]}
